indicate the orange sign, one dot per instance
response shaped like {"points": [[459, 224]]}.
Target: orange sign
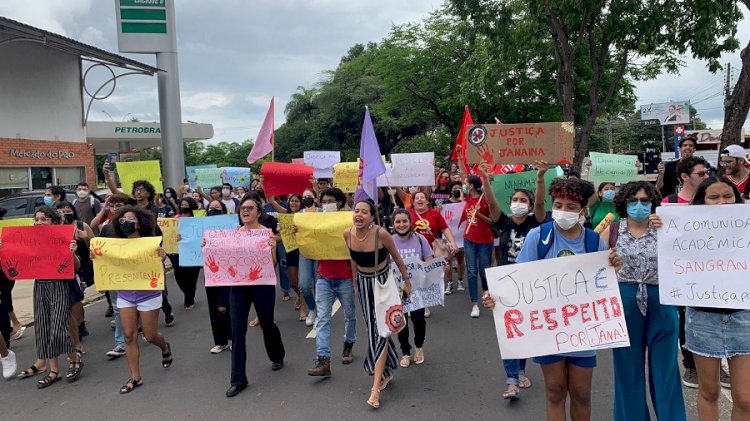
{"points": [[521, 143]]}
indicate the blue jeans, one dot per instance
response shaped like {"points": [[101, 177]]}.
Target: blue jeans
{"points": [[119, 334], [326, 292], [513, 368], [307, 270], [478, 258], [656, 334], [283, 275]]}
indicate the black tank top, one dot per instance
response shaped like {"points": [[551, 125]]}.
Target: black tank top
{"points": [[367, 258]]}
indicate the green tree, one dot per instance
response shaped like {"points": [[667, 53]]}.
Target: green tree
{"points": [[737, 105]]}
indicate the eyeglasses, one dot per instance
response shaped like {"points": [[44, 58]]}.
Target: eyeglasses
{"points": [[641, 200], [248, 208], [43, 220], [124, 220], [701, 173], [139, 190]]}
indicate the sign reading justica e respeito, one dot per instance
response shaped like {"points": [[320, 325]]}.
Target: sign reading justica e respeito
{"points": [[145, 26]]}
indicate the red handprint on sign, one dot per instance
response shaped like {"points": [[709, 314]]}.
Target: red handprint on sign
{"points": [[98, 249], [256, 272], [154, 278], [485, 153], [263, 245], [212, 264], [232, 271]]}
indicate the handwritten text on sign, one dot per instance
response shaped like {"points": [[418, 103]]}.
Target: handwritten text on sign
{"points": [[37, 252], [191, 173], [170, 231], [505, 186], [191, 235], [703, 256], [559, 305], [322, 161], [129, 264], [286, 221], [238, 257], [618, 169], [520, 143], [426, 282], [131, 172], [413, 169]]}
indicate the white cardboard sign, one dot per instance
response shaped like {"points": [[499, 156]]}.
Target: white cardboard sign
{"points": [[452, 214], [322, 162], [426, 282], [413, 169]]}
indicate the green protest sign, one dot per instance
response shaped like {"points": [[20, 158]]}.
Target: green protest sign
{"points": [[618, 169], [505, 185]]}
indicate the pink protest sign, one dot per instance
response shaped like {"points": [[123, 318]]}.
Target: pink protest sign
{"points": [[238, 257]]}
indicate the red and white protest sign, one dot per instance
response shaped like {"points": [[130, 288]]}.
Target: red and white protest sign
{"points": [[557, 305], [238, 257], [284, 178]]}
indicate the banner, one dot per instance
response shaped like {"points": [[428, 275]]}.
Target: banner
{"points": [[552, 306], [504, 187], [452, 212], [320, 235], [345, 176], [703, 256], [710, 137], [236, 176], [676, 112], [128, 264], [191, 235], [322, 161], [426, 282], [206, 178], [16, 222], [38, 252], [618, 169], [170, 232], [521, 143], [238, 257], [283, 178], [286, 221], [191, 173], [413, 169], [129, 172]]}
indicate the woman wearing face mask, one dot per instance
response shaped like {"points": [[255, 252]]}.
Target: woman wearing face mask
{"points": [[52, 308], [602, 204], [458, 263], [441, 194], [164, 208], [650, 325], [135, 222], [171, 198]]}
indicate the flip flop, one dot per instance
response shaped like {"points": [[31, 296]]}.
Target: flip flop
{"points": [[523, 381], [512, 394], [16, 336]]}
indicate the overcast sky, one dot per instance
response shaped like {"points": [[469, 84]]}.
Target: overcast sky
{"points": [[234, 55]]}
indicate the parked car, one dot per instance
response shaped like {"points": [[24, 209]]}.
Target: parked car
{"points": [[23, 205]]}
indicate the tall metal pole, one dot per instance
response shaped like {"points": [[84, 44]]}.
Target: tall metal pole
{"points": [[170, 117]]}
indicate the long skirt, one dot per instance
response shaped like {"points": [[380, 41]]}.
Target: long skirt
{"points": [[52, 308], [376, 343]]}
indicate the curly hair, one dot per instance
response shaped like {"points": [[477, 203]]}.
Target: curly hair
{"points": [[146, 221], [686, 165], [51, 213], [629, 190], [191, 204], [572, 189], [700, 194], [146, 185], [119, 198]]}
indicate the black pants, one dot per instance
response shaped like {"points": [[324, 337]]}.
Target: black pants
{"points": [[187, 279], [420, 329], [687, 357], [221, 324], [240, 300], [6, 306]]}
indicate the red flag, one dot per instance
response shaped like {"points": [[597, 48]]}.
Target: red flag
{"points": [[264, 141], [461, 139]]}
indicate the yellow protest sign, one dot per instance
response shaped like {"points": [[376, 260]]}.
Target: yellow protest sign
{"points": [[129, 264], [170, 232], [286, 220], [345, 176], [199, 213], [320, 235], [16, 222], [130, 172]]}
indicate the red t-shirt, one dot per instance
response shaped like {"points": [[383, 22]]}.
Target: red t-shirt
{"points": [[335, 269], [477, 230], [428, 223], [741, 186], [680, 200]]}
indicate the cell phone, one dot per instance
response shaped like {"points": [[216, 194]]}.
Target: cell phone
{"points": [[109, 158]]}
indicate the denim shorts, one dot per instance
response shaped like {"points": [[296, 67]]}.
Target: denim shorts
{"points": [[717, 335], [583, 362]]}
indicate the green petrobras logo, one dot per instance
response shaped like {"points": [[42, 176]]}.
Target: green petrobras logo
{"points": [[143, 16]]}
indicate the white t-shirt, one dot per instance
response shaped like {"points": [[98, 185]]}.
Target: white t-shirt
{"points": [[229, 203]]}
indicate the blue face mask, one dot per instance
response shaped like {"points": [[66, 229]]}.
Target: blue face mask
{"points": [[639, 211], [48, 200], [465, 189], [608, 195]]}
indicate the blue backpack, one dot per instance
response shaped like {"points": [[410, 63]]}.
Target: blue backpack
{"points": [[547, 238]]}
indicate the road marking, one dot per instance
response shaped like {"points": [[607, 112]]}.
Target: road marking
{"points": [[336, 306]]}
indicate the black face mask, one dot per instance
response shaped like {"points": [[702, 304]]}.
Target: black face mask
{"points": [[185, 210], [128, 227], [69, 218], [308, 201], [214, 212], [456, 194]]}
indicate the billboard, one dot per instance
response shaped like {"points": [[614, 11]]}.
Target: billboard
{"points": [[675, 112]]}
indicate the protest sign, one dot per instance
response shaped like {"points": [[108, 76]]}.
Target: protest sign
{"points": [[286, 221], [199, 213], [16, 222], [618, 169], [521, 143], [320, 235], [284, 178], [426, 282], [238, 257], [37, 252], [552, 306], [703, 259], [345, 176], [191, 173], [129, 172], [191, 235], [505, 185], [236, 176], [413, 169], [385, 179], [128, 264], [452, 212], [322, 161], [206, 178], [170, 232]]}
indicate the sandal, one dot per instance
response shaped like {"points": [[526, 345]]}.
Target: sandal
{"points": [[18, 334], [74, 371], [166, 358], [512, 393], [375, 403], [523, 381], [31, 371], [302, 317], [254, 323], [385, 381], [130, 385], [405, 361], [48, 380], [286, 297], [298, 303]]}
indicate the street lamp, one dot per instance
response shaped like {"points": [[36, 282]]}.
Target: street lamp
{"points": [[108, 115]]}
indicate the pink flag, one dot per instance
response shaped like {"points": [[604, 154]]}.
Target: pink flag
{"points": [[264, 141]]}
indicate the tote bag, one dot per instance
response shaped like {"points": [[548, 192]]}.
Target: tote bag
{"points": [[389, 311]]}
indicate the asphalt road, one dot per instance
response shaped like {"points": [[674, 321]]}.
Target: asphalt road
{"points": [[462, 378]]}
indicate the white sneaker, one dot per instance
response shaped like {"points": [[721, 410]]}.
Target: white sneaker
{"points": [[475, 311], [219, 348], [117, 352], [449, 288], [460, 286], [9, 365], [310, 318]]}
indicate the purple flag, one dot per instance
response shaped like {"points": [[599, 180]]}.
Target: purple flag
{"points": [[370, 162]]}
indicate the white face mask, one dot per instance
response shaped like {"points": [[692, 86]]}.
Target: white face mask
{"points": [[519, 209], [225, 192], [565, 220], [330, 207], [82, 193], [168, 195]]}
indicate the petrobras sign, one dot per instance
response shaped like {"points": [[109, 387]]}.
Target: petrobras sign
{"points": [[145, 26], [667, 113]]}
